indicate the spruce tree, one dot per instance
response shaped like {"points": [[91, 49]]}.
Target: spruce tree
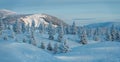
{"points": [[108, 36], [60, 34], [113, 33], [5, 37], [41, 27], [96, 35], [33, 25], [51, 31], [64, 47], [42, 45], [17, 27], [1, 26], [24, 40], [73, 28], [49, 46], [23, 27], [55, 49], [83, 36]]}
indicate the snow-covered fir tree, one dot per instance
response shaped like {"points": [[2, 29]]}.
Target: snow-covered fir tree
{"points": [[33, 40], [13, 35], [33, 25], [68, 30], [96, 35], [41, 28], [64, 47], [108, 35], [55, 49], [23, 29], [1, 26], [74, 28], [24, 40], [51, 31], [113, 33], [49, 47], [17, 27], [118, 35], [28, 28], [5, 37], [42, 45], [83, 36], [5, 25], [60, 33]]}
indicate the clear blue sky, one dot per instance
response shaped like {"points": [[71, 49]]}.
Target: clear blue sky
{"points": [[81, 11]]}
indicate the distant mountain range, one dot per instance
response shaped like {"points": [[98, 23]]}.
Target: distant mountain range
{"points": [[10, 17]]}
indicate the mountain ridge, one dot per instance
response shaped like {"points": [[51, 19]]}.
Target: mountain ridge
{"points": [[30, 17]]}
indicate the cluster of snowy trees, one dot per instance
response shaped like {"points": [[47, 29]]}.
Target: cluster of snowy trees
{"points": [[97, 34], [57, 47], [29, 34]]}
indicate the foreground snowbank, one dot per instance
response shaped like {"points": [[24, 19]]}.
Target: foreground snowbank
{"points": [[97, 52], [21, 52]]}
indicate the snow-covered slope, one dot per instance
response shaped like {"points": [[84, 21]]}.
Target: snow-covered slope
{"points": [[97, 52], [21, 52]]}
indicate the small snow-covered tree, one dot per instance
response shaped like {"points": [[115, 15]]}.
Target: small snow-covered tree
{"points": [[118, 35], [28, 28], [32, 39], [64, 47], [13, 33], [17, 27], [42, 45], [113, 33], [49, 46], [5, 25], [83, 36], [60, 33], [73, 28], [41, 27], [5, 37], [51, 31], [96, 35], [1, 26], [33, 25], [16, 39], [24, 40], [108, 36], [68, 30], [23, 27], [55, 49]]}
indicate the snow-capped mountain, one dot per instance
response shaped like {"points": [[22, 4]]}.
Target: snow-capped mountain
{"points": [[28, 18], [4, 13]]}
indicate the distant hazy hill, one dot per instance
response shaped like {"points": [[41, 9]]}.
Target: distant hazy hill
{"points": [[5, 13], [105, 24]]}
